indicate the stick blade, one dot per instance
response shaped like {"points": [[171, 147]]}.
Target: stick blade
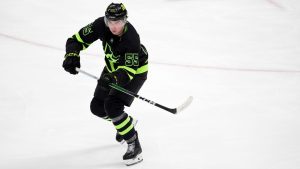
{"points": [[184, 105]]}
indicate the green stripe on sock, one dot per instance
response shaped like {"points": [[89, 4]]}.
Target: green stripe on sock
{"points": [[127, 130], [123, 123]]}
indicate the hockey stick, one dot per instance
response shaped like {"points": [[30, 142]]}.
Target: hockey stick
{"points": [[176, 110]]}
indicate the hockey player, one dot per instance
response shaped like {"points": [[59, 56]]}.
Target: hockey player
{"points": [[126, 62]]}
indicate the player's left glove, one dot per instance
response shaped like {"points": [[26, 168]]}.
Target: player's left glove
{"points": [[107, 79]]}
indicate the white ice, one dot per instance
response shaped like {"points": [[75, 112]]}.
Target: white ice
{"points": [[239, 59]]}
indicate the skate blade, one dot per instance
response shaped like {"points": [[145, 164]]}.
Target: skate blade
{"points": [[133, 161]]}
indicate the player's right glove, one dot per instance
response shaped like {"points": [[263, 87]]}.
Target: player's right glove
{"points": [[72, 60]]}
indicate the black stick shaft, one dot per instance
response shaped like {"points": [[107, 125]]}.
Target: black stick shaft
{"points": [[121, 89]]}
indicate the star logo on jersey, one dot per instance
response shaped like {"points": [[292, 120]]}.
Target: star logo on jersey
{"points": [[110, 55], [112, 58]]}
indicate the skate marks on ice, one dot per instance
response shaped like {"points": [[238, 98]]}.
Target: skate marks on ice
{"points": [[195, 66], [276, 4], [106, 156]]}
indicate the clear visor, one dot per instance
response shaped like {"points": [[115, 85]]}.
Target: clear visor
{"points": [[120, 22]]}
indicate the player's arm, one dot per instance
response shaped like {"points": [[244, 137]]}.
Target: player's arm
{"points": [[86, 36], [80, 41]]}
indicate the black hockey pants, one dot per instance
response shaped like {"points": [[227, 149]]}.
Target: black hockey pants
{"points": [[110, 104]]}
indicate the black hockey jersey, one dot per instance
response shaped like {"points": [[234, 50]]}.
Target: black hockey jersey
{"points": [[124, 55]]}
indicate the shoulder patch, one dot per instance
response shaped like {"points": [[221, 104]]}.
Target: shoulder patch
{"points": [[87, 29]]}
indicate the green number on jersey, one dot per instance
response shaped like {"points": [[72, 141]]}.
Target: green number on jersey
{"points": [[131, 59]]}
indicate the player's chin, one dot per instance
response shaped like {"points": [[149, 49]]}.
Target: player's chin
{"points": [[115, 32]]}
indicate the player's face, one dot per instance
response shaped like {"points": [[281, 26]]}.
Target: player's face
{"points": [[116, 27]]}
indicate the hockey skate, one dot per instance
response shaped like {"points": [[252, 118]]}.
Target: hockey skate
{"points": [[133, 154], [119, 137]]}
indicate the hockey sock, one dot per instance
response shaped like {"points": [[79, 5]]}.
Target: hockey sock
{"points": [[124, 126]]}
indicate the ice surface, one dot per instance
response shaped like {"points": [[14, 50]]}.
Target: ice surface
{"points": [[239, 59]]}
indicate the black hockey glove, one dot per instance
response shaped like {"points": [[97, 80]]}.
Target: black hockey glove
{"points": [[72, 60], [107, 79]]}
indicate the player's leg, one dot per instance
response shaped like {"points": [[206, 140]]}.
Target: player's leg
{"points": [[114, 106], [134, 86], [97, 103]]}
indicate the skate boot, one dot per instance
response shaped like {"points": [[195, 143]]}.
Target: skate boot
{"points": [[133, 154], [119, 137]]}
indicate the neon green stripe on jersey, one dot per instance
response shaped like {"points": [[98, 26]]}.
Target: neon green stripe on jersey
{"points": [[80, 40], [108, 69], [112, 66], [142, 69], [128, 69]]}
